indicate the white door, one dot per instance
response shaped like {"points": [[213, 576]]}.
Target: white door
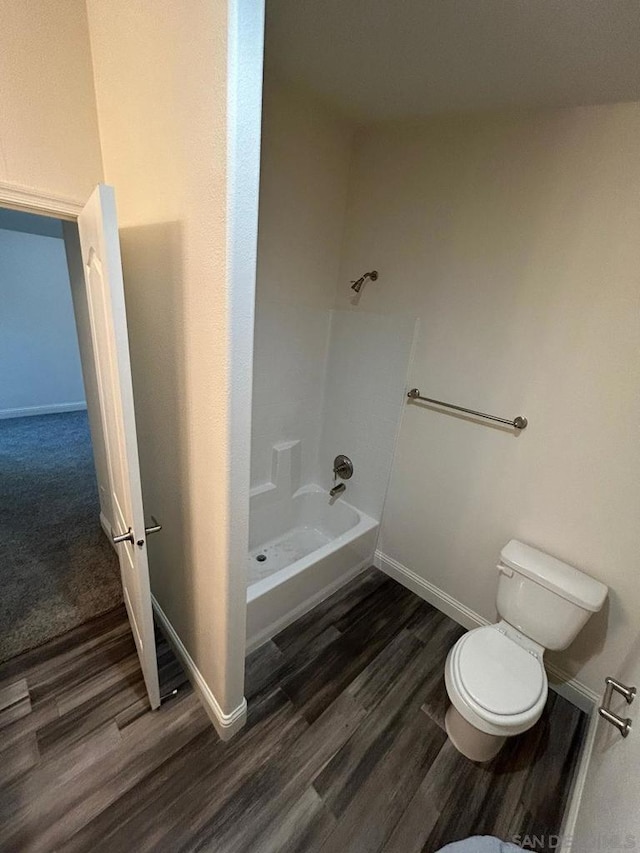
{"points": [[609, 814], [98, 227]]}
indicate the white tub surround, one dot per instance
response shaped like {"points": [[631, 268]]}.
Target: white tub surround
{"points": [[303, 545], [365, 397], [313, 544]]}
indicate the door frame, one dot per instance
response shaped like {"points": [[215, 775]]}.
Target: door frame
{"points": [[30, 200]]}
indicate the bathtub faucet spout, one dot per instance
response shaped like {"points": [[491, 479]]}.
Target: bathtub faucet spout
{"points": [[337, 490]]}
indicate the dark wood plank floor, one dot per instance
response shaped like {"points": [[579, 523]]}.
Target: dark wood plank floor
{"points": [[344, 749]]}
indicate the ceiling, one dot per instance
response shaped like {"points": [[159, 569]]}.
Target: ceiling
{"points": [[391, 59]]}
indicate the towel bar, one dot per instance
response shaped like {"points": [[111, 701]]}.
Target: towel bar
{"points": [[519, 422]]}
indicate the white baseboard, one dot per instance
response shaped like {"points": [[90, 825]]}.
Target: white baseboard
{"points": [[563, 684], [577, 787], [225, 724], [571, 689], [429, 592], [54, 409]]}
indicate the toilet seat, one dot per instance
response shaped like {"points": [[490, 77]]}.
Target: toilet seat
{"points": [[497, 673], [495, 683]]}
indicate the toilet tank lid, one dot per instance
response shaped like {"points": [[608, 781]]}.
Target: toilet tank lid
{"points": [[565, 580]]}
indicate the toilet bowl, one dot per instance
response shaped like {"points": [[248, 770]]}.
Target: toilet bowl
{"points": [[497, 685], [495, 675]]}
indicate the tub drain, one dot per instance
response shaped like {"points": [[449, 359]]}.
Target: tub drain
{"points": [[261, 558]]}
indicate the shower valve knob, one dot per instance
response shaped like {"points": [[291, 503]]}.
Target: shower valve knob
{"points": [[342, 467]]}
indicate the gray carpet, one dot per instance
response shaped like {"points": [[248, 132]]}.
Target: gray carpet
{"points": [[57, 568]]}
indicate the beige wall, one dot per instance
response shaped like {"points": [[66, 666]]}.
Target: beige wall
{"points": [[169, 85], [306, 151], [178, 98], [48, 125], [49, 142], [514, 238]]}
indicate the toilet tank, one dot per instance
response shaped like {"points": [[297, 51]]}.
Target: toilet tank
{"points": [[544, 598]]}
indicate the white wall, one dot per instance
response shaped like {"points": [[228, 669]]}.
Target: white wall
{"points": [[303, 193], [178, 91], [48, 124], [515, 239], [39, 354]]}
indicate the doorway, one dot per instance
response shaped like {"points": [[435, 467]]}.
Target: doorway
{"points": [[92, 248], [57, 566]]}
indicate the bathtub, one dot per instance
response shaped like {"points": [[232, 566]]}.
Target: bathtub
{"points": [[302, 549]]}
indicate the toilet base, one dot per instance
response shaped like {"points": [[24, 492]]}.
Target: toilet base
{"points": [[470, 741]]}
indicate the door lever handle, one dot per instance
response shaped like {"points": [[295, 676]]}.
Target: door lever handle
{"points": [[128, 536], [623, 724], [155, 528], [122, 537]]}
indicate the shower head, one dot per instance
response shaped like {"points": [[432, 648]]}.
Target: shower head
{"points": [[357, 285]]}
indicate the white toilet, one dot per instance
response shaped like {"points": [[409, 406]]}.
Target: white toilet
{"points": [[495, 675]]}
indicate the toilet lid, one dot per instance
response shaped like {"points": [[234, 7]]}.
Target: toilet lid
{"points": [[498, 674]]}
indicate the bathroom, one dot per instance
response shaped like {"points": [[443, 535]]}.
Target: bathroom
{"points": [[427, 636], [473, 237]]}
